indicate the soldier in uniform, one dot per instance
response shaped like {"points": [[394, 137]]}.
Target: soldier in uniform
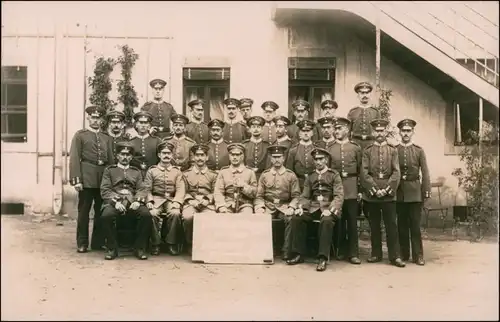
{"points": [[282, 138], [120, 183], [246, 111], [411, 192], [301, 110], [197, 130], [299, 158], [116, 129], [380, 176], [362, 115], [200, 182], [269, 128], [91, 151], [328, 139], [234, 131], [163, 191], [346, 160], [321, 199], [181, 142], [256, 147], [160, 110], [328, 109], [217, 147], [278, 192], [145, 145], [236, 185]]}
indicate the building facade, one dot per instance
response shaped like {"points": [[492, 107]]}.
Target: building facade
{"points": [[211, 50]]}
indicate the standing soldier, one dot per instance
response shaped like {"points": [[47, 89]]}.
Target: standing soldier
{"points": [[116, 129], [299, 158], [362, 115], [160, 110], [163, 191], [119, 185], [234, 131], [91, 151], [321, 200], [181, 142], [256, 147], [145, 145], [236, 185], [197, 130], [411, 192], [328, 109], [200, 182], [278, 192], [346, 160], [217, 147], [246, 111], [380, 177], [282, 138], [301, 110], [328, 139], [269, 128]]}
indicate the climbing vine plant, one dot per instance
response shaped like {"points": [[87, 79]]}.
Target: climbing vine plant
{"points": [[127, 93], [101, 85], [384, 106]]}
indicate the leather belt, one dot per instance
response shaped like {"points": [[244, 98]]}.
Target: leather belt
{"points": [[379, 175], [363, 137], [406, 177], [347, 175], [322, 198], [99, 162]]}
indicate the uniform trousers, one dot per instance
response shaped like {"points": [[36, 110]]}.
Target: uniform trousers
{"points": [[363, 144], [110, 218], [276, 214], [348, 222], [385, 210], [85, 199], [169, 229], [298, 233], [409, 214]]}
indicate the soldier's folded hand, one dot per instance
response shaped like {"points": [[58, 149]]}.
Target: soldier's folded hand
{"points": [[153, 130], [223, 210], [150, 205], [175, 211], [326, 213], [194, 203], [299, 211], [380, 193], [204, 202], [359, 197], [289, 211], [260, 210], [78, 187], [120, 207], [135, 205]]}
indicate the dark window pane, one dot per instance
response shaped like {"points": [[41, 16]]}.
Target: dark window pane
{"points": [[17, 123], [217, 97], [18, 73], [4, 96], [4, 123], [17, 94], [192, 93]]}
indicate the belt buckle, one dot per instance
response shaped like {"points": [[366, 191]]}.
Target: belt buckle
{"points": [[100, 162], [276, 201], [124, 192], [381, 176], [143, 166], [344, 174], [404, 177], [305, 175], [160, 129], [320, 198], [363, 137]]}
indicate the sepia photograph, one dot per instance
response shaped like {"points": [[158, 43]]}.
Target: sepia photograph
{"points": [[250, 160]]}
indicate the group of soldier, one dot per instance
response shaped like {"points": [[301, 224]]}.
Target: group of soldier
{"points": [[300, 172]]}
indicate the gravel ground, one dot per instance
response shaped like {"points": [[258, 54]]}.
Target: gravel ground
{"points": [[43, 278]]}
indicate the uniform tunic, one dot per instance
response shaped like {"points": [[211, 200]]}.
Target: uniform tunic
{"points": [[120, 184], [162, 185], [218, 156], [277, 190], [293, 133], [256, 155], [198, 132], [412, 160], [161, 112], [145, 152], [115, 139], [380, 170], [327, 145], [346, 160], [286, 142], [323, 190], [300, 161], [361, 129], [234, 132], [269, 132], [225, 192], [91, 151], [200, 185], [182, 150]]}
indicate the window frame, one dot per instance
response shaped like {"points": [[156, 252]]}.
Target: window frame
{"points": [[206, 85], [11, 109], [312, 84]]}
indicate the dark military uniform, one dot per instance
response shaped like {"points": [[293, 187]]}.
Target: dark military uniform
{"points": [[145, 154], [269, 127], [161, 112], [300, 161], [217, 155], [182, 151], [120, 184], [116, 139], [380, 170], [91, 151], [293, 133], [325, 144], [256, 155], [234, 132], [361, 117], [198, 132]]}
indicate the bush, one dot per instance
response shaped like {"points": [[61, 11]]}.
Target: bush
{"points": [[128, 95], [101, 84]]}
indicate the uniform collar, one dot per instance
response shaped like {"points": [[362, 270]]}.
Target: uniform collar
{"points": [[217, 142], [93, 130], [237, 169], [306, 144], [162, 168], [254, 140], [332, 139], [115, 136], [407, 144], [270, 123], [231, 122], [143, 137], [343, 141], [283, 138], [158, 102], [365, 106], [195, 121], [322, 171], [280, 171], [121, 166], [198, 171], [175, 137], [380, 144]]}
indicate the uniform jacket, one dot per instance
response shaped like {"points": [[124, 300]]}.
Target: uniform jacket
{"points": [[161, 113], [91, 151], [145, 152], [163, 185], [256, 155], [218, 157], [277, 190], [413, 186], [198, 132], [361, 118], [346, 159], [325, 145], [380, 170], [284, 141], [300, 160], [224, 191], [235, 132], [322, 190], [200, 185], [269, 132], [115, 139], [120, 184], [182, 151], [293, 133]]}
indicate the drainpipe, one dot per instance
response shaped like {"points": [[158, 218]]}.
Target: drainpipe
{"points": [[59, 98]]}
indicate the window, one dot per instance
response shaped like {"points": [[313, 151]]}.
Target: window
{"points": [[14, 103], [466, 122], [209, 84], [310, 79]]}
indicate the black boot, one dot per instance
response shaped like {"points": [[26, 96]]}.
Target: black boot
{"points": [[111, 254]]}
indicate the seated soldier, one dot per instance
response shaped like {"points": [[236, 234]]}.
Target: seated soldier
{"points": [[200, 182], [278, 192], [118, 190], [321, 199], [163, 191], [236, 185]]}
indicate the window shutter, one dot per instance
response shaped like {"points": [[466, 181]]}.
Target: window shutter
{"points": [[206, 73]]}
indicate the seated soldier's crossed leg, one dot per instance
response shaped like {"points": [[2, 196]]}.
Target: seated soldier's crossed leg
{"points": [[156, 230]]}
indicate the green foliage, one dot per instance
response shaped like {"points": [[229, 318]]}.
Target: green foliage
{"points": [[479, 176], [127, 94], [101, 84], [384, 106]]}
